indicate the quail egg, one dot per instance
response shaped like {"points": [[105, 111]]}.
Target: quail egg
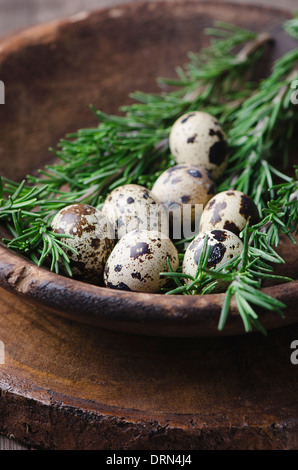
{"points": [[138, 259], [229, 210], [92, 238], [134, 207], [183, 187], [198, 138], [224, 244]]}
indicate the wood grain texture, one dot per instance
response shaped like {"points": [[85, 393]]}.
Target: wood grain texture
{"points": [[68, 385]]}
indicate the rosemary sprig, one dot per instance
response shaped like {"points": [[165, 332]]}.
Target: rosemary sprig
{"points": [[28, 212], [291, 26], [281, 216], [263, 128], [243, 275], [133, 147]]}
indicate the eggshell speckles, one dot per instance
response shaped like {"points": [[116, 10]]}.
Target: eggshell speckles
{"points": [[229, 210], [138, 259], [224, 244], [184, 184], [198, 138], [134, 207], [93, 239]]}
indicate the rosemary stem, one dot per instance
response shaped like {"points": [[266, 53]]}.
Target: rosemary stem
{"points": [[241, 57], [252, 46]]}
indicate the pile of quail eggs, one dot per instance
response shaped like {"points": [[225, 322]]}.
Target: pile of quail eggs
{"points": [[131, 239]]}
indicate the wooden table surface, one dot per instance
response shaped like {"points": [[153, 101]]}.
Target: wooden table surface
{"points": [[131, 379]]}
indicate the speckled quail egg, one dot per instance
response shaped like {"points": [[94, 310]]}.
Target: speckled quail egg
{"points": [[93, 239], [184, 186], [198, 138], [229, 210], [134, 207], [138, 259], [224, 244]]}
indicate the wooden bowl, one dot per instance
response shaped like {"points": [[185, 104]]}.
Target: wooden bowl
{"points": [[51, 74]]}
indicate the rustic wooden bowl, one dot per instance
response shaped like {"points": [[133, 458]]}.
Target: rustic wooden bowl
{"points": [[52, 73]]}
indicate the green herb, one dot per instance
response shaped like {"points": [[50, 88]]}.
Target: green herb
{"points": [[259, 117], [263, 127], [246, 273], [133, 147], [244, 276], [291, 26], [281, 215], [27, 212]]}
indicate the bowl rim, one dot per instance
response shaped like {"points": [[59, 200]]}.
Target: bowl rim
{"points": [[132, 312], [173, 315]]}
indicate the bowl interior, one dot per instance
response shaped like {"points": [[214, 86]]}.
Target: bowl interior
{"points": [[52, 73]]}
